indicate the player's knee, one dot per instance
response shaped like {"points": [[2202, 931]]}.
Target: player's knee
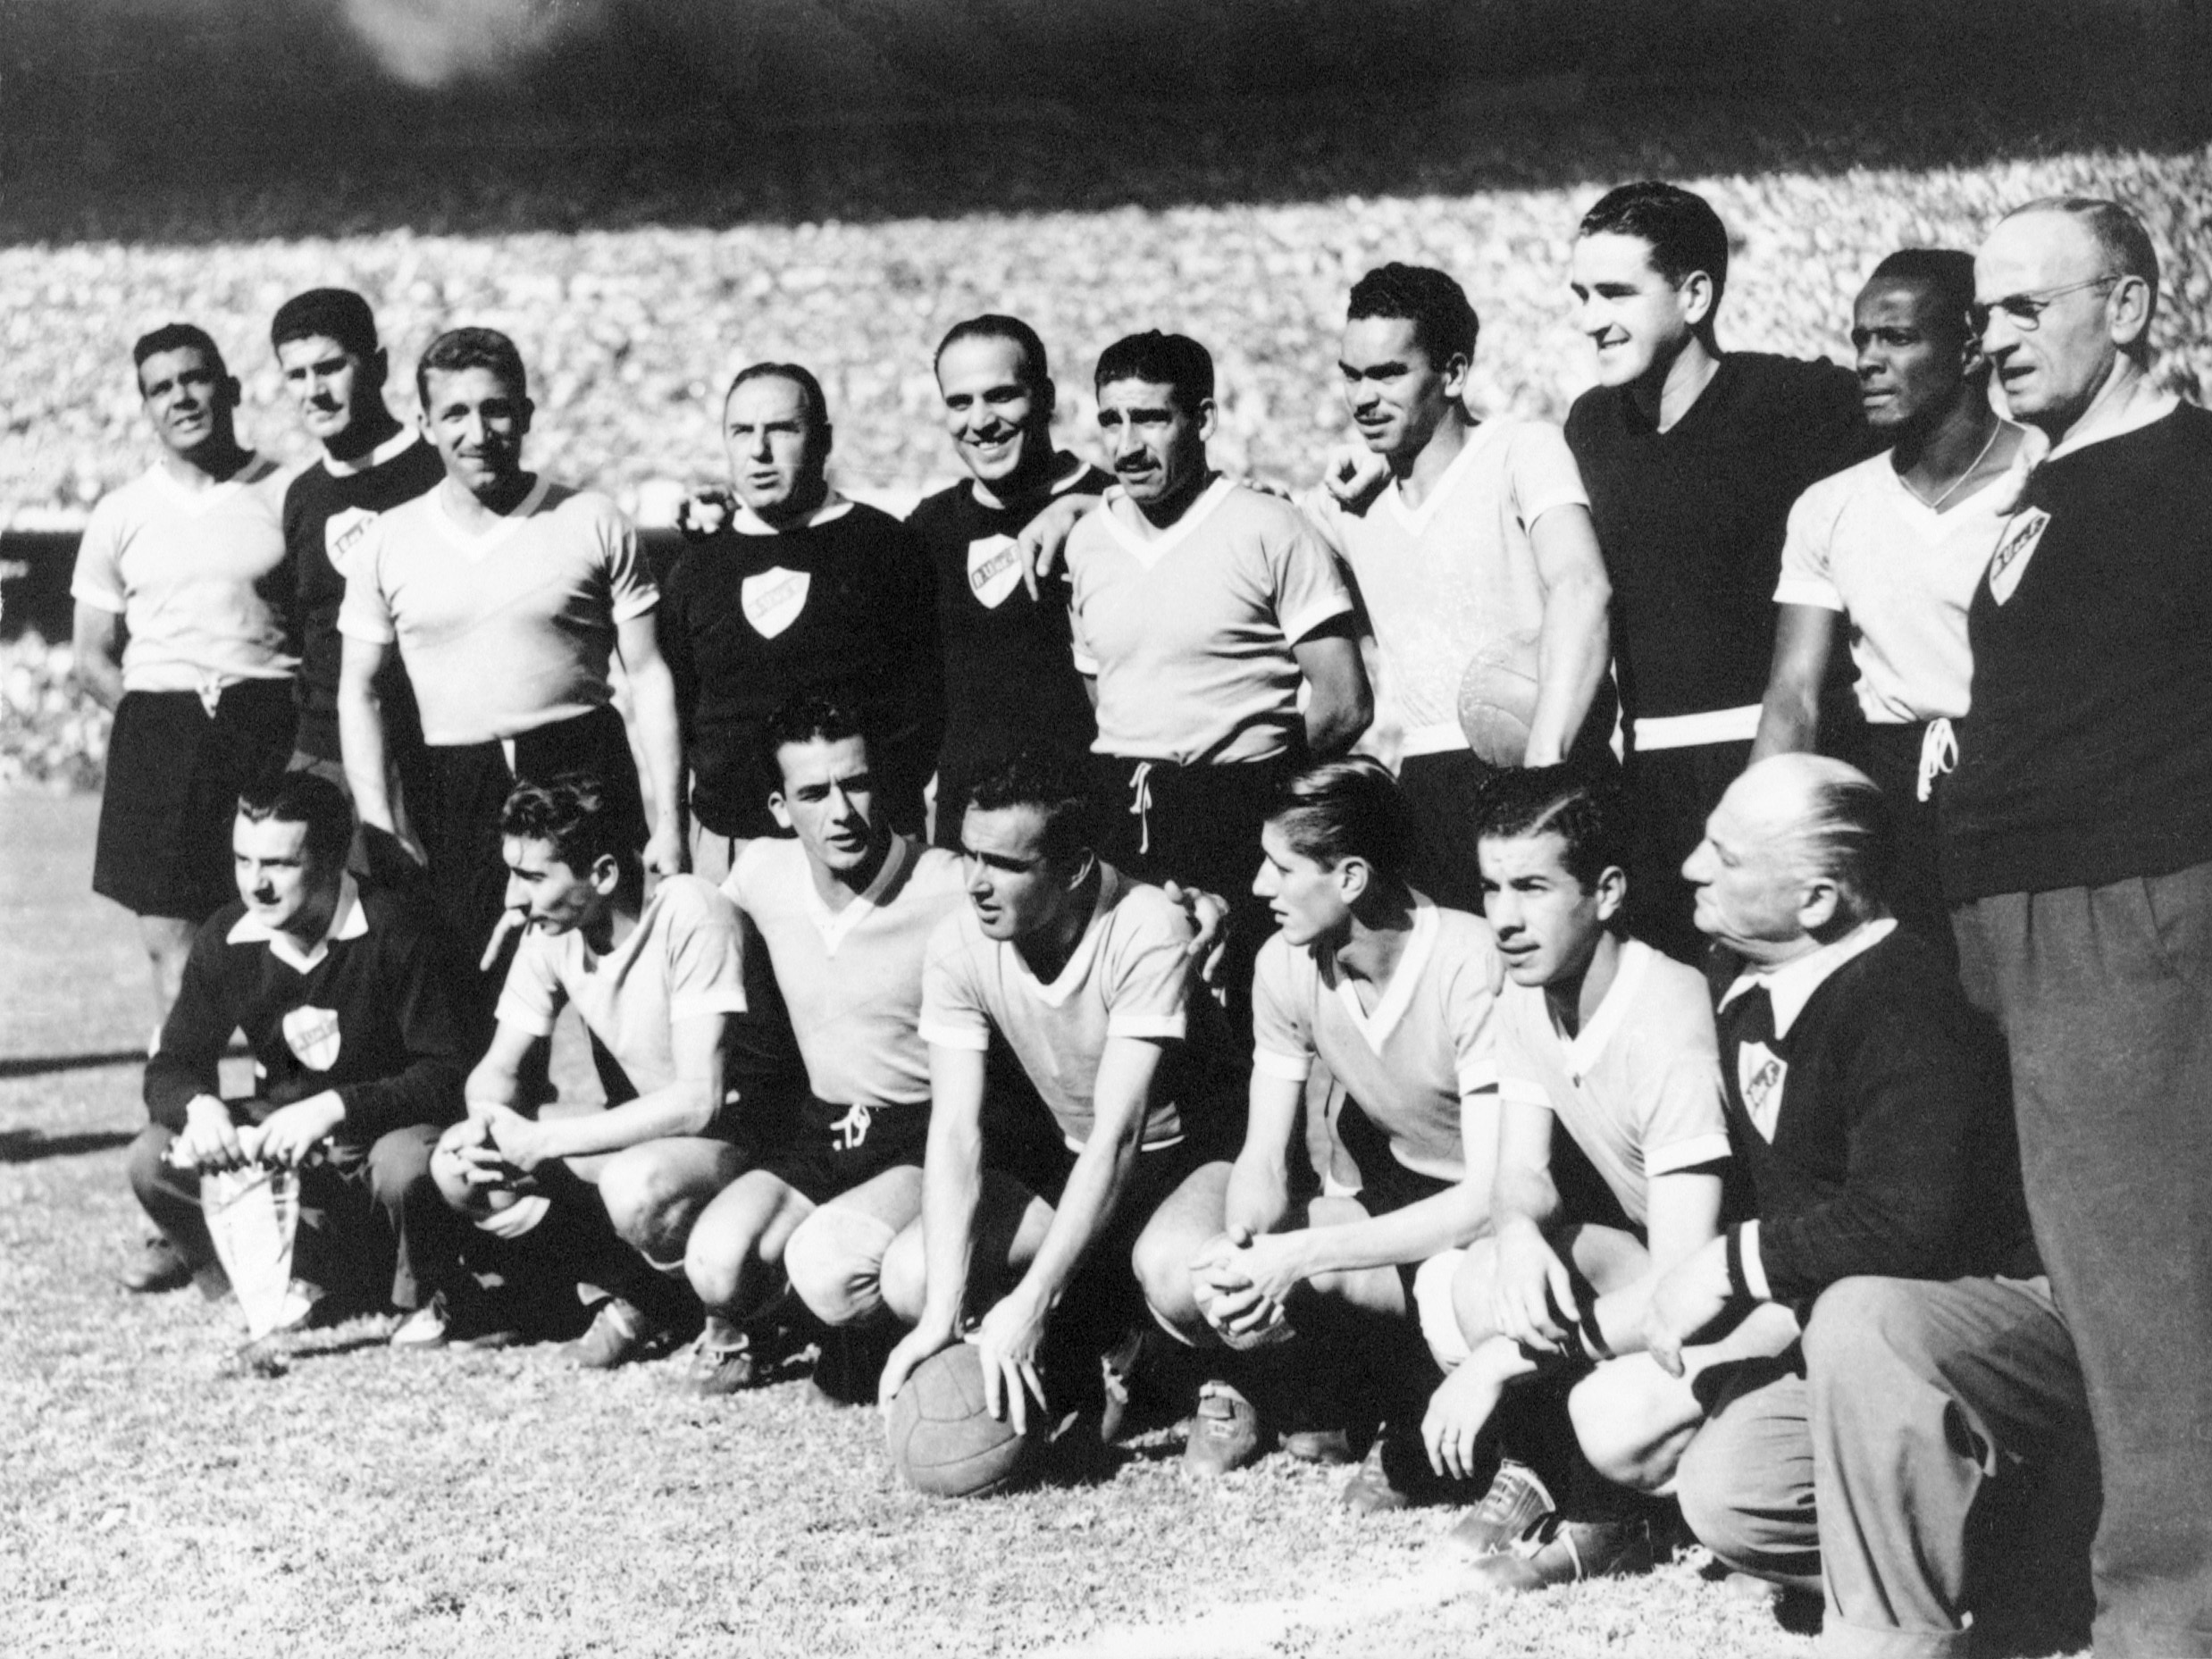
{"points": [[1434, 1309], [638, 1194], [902, 1280], [1161, 1265], [714, 1262], [1862, 1325], [834, 1260], [1618, 1431], [1708, 1486], [399, 1166]]}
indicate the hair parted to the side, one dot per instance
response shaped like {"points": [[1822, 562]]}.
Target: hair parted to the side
{"points": [[1583, 805], [1683, 232], [458, 349], [1848, 835], [574, 813], [993, 325], [1175, 361], [1055, 784], [337, 313], [1945, 273], [303, 798], [177, 337], [2121, 238], [808, 718], [1444, 324], [798, 374], [1348, 808]]}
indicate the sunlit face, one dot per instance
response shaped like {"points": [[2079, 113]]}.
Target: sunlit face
{"points": [[1749, 879], [1637, 319], [2051, 370], [477, 422], [1015, 890], [1397, 395], [552, 896], [999, 417], [275, 876], [1912, 359], [777, 450], [330, 385], [828, 800], [1156, 448], [188, 399], [1307, 899], [1548, 924]]}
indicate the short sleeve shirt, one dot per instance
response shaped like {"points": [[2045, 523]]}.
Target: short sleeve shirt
{"points": [[1412, 1062], [685, 959], [1638, 1087], [502, 630], [1190, 631], [197, 575]]}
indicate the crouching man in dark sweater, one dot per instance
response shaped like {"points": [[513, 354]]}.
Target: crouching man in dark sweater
{"points": [[357, 1063], [1869, 1106]]}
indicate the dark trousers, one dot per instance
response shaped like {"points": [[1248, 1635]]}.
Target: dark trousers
{"points": [[1672, 792], [1890, 755], [372, 1223], [2105, 995]]}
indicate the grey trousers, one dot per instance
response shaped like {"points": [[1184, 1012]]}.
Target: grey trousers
{"points": [[2105, 995], [1857, 1472]]}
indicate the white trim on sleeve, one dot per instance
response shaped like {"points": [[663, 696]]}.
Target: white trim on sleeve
{"points": [[356, 629], [1808, 590], [1522, 1092], [1298, 627], [513, 1011], [964, 1038], [1135, 1024], [1678, 1155], [1284, 1068], [1754, 1269], [97, 595], [731, 1000], [638, 603]]}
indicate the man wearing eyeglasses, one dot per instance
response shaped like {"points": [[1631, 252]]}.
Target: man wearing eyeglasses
{"points": [[2078, 853]]}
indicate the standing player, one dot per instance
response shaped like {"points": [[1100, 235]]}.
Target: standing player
{"points": [[326, 345], [1393, 996], [186, 560], [803, 590], [1895, 548], [1478, 544], [1009, 680], [506, 595], [1692, 459], [1085, 976]]}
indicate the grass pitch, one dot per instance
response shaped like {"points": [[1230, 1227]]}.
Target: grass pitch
{"points": [[488, 1504]]}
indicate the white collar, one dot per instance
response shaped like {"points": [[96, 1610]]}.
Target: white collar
{"points": [[837, 926], [390, 449], [476, 543], [1792, 985], [1397, 996], [1416, 518], [1583, 1049], [347, 921], [2146, 408], [748, 523], [1110, 882], [1149, 551], [197, 500]]}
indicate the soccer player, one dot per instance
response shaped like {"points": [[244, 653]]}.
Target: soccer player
{"points": [[186, 561], [1894, 547], [326, 344], [1868, 1105], [1692, 458], [1009, 681], [1612, 1131], [1478, 544], [1394, 996], [1199, 605], [660, 985], [800, 591], [2077, 843], [339, 992], [507, 595], [1085, 976]]}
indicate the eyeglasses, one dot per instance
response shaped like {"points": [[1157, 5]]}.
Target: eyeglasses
{"points": [[2025, 311]]}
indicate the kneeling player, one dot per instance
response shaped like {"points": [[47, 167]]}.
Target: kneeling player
{"points": [[1394, 996], [660, 985], [1602, 1037], [1086, 976]]}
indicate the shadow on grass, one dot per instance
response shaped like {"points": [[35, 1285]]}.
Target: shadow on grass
{"points": [[30, 1146], [41, 1065]]}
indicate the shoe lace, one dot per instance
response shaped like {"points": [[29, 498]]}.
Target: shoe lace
{"points": [[1510, 1490]]}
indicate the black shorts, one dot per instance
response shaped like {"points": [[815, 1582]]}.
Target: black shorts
{"points": [[174, 776], [837, 1148], [1385, 1185]]}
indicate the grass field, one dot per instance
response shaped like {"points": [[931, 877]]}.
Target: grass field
{"points": [[499, 1504]]}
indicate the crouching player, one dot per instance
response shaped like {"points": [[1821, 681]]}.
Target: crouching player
{"points": [[1087, 977], [357, 1060], [609, 1197], [1395, 997], [1612, 1131]]}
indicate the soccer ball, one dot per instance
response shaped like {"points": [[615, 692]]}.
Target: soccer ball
{"points": [[943, 1440], [1497, 698]]}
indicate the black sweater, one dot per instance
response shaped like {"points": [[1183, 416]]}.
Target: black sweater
{"points": [[1893, 1151], [398, 1057]]}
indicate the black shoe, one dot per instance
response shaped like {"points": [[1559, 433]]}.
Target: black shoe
{"points": [[1568, 1552], [159, 1266], [1395, 1476], [1516, 1502]]}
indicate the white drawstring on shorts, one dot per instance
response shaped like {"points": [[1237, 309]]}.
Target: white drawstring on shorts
{"points": [[1938, 754]]}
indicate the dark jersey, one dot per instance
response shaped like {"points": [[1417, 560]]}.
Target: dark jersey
{"points": [[325, 514], [1009, 675], [1691, 520]]}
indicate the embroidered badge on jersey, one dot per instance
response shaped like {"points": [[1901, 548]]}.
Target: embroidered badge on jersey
{"points": [[774, 599], [2010, 561], [993, 570], [313, 1035], [341, 534], [1760, 1074]]}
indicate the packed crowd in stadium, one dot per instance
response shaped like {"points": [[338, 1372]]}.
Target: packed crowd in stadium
{"points": [[1640, 979]]}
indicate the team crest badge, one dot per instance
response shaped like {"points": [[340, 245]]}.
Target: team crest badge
{"points": [[341, 536], [993, 570], [1760, 1074], [2010, 562], [774, 599], [313, 1035]]}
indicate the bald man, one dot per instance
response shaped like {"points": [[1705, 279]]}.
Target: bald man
{"points": [[2078, 848]]}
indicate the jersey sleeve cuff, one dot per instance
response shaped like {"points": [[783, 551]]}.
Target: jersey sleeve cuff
{"points": [[1085, 662], [354, 628], [729, 1001], [973, 1039], [513, 1011], [1145, 1026], [96, 596], [636, 604], [1296, 628], [1523, 1092], [1286, 1068], [1477, 1077], [1678, 1155], [1808, 591], [1565, 497]]}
